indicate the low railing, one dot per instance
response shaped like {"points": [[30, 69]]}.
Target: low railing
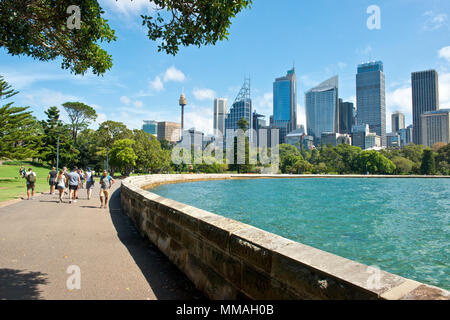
{"points": [[227, 259]]}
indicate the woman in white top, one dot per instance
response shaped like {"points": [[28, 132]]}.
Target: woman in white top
{"points": [[61, 184]]}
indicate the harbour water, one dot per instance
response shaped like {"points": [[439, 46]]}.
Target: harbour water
{"points": [[399, 225]]}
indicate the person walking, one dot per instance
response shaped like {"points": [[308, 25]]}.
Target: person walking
{"points": [[61, 184], [66, 174], [31, 178], [89, 175], [22, 172], [74, 182], [51, 179], [106, 181], [82, 178]]}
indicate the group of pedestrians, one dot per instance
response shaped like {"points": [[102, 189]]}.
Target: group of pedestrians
{"points": [[70, 182]]}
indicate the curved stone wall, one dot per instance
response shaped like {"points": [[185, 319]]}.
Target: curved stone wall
{"points": [[227, 259]]}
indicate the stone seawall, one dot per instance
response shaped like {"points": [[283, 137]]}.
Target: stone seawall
{"points": [[227, 259]]}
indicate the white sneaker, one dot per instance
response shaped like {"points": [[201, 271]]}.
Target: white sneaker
{"points": [[74, 201]]}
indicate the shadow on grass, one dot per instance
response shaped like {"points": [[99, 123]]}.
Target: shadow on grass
{"points": [[20, 284]]}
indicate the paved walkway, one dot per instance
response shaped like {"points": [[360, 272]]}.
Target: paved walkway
{"points": [[40, 239]]}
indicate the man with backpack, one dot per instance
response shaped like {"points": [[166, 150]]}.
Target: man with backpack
{"points": [[106, 181], [30, 176]]}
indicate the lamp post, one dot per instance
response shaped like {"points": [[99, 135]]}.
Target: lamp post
{"points": [[57, 156]]}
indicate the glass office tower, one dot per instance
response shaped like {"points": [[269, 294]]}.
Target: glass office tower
{"points": [[371, 99], [285, 104], [150, 126], [346, 115], [425, 98], [241, 108], [322, 108]]}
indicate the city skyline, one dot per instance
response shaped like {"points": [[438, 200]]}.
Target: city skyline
{"points": [[144, 84]]}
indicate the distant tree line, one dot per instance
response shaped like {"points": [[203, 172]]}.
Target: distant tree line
{"points": [[113, 145]]}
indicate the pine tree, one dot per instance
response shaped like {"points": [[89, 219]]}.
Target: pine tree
{"points": [[428, 166], [17, 127]]}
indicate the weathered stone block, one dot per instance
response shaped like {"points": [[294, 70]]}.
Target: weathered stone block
{"points": [[208, 281], [223, 263]]}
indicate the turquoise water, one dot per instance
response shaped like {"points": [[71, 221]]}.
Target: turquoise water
{"points": [[399, 225]]}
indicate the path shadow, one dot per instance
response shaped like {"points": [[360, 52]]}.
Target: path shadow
{"points": [[165, 279], [20, 284]]}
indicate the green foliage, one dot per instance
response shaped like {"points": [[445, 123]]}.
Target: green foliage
{"points": [[53, 128], [18, 128], [243, 124], [150, 156], [403, 165], [80, 116], [38, 28], [191, 22], [374, 162], [428, 166], [122, 156]]}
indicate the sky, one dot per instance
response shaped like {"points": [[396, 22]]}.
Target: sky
{"points": [[322, 38]]}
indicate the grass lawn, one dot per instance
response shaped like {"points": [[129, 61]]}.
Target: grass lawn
{"points": [[12, 186]]}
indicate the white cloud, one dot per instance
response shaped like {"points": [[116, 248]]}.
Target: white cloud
{"points": [[22, 80], [173, 74], [264, 104], [434, 20], [204, 94], [138, 104], [157, 84], [47, 98], [365, 51], [445, 53], [125, 100], [128, 7], [200, 118], [342, 65], [444, 90]]}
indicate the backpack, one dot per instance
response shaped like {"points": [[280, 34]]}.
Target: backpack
{"points": [[105, 182], [31, 178]]}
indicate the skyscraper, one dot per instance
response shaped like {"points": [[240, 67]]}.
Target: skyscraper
{"points": [[370, 97], [435, 127], [169, 131], [346, 114], [285, 104], [322, 108], [150, 126], [220, 112], [398, 121], [425, 97], [241, 108]]}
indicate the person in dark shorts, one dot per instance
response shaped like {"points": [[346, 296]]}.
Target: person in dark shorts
{"points": [[74, 182], [30, 176], [51, 179]]}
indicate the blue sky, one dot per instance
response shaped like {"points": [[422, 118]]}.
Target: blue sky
{"points": [[323, 37]]}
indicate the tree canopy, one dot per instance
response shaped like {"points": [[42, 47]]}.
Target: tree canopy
{"points": [[43, 29]]}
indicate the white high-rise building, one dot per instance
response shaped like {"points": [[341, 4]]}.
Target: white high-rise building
{"points": [[220, 112]]}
